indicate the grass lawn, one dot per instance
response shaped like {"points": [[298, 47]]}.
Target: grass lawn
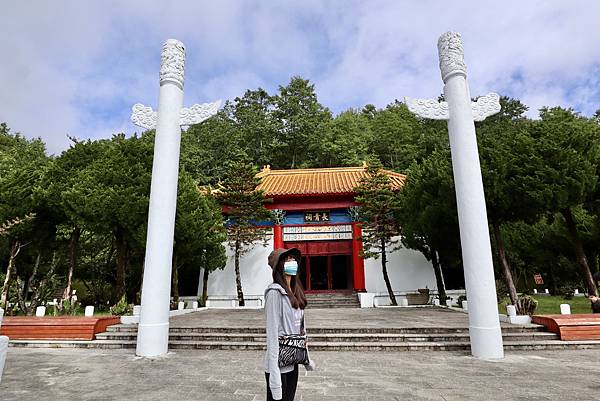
{"points": [[550, 305]]}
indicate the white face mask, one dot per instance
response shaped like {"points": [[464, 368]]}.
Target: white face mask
{"points": [[290, 268]]}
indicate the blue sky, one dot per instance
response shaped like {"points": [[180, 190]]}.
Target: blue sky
{"points": [[77, 67]]}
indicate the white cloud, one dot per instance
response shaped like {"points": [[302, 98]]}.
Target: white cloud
{"points": [[77, 67]]}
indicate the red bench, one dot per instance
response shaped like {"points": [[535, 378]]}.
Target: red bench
{"points": [[585, 326], [55, 328]]}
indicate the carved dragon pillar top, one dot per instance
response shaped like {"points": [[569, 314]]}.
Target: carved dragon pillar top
{"points": [[172, 62], [452, 55], [452, 62]]}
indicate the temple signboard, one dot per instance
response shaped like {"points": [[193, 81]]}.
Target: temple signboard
{"points": [[317, 233], [312, 217]]}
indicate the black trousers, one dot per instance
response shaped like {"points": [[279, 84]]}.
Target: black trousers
{"points": [[289, 381]]}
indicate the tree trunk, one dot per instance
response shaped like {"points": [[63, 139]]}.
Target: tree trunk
{"points": [[10, 272], [439, 277], [175, 280], [580, 254], [33, 303], [385, 275], [238, 278], [121, 245], [554, 284], [73, 244], [205, 286], [201, 274], [504, 266]]}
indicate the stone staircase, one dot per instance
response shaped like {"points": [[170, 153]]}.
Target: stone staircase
{"points": [[332, 300], [325, 339]]}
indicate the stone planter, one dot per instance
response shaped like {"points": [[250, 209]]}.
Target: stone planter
{"points": [[520, 319], [417, 299]]}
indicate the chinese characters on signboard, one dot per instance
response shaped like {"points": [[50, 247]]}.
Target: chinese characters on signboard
{"points": [[315, 233], [311, 217]]}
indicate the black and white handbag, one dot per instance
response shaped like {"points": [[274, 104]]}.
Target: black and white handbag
{"points": [[292, 349]]}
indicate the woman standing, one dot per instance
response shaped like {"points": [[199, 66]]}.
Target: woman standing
{"points": [[284, 310]]}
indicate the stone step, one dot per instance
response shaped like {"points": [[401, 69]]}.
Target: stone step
{"points": [[329, 306], [332, 330], [315, 346], [335, 338], [332, 300]]}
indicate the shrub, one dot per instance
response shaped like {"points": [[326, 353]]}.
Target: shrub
{"points": [[121, 308], [526, 305], [460, 299], [501, 290]]}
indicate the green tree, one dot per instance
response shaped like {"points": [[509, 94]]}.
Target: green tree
{"points": [[301, 120], [254, 119], [212, 258], [398, 137], [206, 147], [112, 195], [379, 206], [504, 148], [59, 178], [345, 140], [566, 163], [244, 207], [428, 215], [198, 230], [22, 163]]}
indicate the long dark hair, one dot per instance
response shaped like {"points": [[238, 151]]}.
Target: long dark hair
{"points": [[294, 291]]}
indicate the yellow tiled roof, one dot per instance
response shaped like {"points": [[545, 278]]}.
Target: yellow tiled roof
{"points": [[317, 181]]}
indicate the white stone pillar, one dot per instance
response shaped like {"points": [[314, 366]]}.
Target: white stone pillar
{"points": [[484, 323], [153, 329], [3, 352]]}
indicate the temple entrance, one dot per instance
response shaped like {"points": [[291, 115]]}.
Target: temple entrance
{"points": [[326, 272], [325, 265]]}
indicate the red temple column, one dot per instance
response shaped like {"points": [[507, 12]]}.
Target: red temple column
{"points": [[358, 262], [277, 236]]}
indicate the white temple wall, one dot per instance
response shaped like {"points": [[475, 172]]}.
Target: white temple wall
{"points": [[407, 269], [254, 271]]}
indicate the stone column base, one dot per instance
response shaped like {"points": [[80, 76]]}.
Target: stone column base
{"points": [[3, 352]]}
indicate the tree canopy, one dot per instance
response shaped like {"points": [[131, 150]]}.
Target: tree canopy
{"points": [[80, 216]]}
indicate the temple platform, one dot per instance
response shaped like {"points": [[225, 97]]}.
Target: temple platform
{"points": [[425, 328]]}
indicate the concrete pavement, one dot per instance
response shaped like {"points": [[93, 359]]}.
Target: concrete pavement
{"points": [[80, 374]]}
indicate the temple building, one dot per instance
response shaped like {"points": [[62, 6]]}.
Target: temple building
{"points": [[315, 211]]}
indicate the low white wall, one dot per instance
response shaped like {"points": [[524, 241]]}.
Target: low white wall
{"points": [[254, 271], [407, 270]]}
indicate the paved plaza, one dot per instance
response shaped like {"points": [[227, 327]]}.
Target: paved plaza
{"points": [[78, 374], [351, 318], [96, 374]]}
